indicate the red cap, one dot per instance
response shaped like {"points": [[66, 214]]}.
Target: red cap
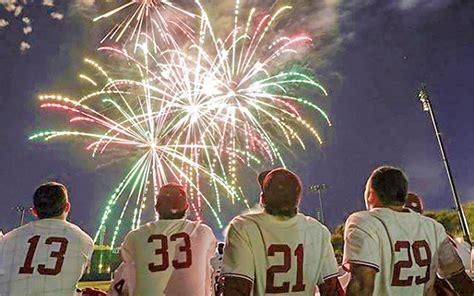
{"points": [[282, 188], [261, 177], [414, 202], [172, 199]]}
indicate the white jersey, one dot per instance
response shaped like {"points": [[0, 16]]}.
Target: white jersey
{"points": [[170, 257], [406, 248], [123, 282], [280, 256], [45, 257], [216, 264]]}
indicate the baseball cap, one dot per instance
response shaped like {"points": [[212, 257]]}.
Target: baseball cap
{"points": [[414, 202], [50, 199], [172, 199], [261, 177], [282, 188]]}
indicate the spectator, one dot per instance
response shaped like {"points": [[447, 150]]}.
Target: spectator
{"points": [[278, 251], [170, 256], [391, 250], [47, 256]]}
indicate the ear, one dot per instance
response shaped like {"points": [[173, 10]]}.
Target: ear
{"points": [[67, 207], [34, 212], [374, 198], [263, 199]]}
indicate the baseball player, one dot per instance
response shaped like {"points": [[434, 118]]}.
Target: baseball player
{"points": [[279, 251], [392, 250], [216, 264], [47, 256], [170, 256]]}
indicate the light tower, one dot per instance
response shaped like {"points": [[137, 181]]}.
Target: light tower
{"points": [[427, 107], [319, 188]]}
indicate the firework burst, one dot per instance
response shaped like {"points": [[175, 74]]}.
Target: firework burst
{"points": [[148, 19], [200, 112]]}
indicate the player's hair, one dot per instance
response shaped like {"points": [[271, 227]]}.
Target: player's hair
{"points": [[172, 216], [50, 200], [281, 212], [390, 184]]}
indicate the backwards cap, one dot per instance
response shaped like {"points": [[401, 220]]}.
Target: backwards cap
{"points": [[415, 202], [172, 199], [261, 177], [282, 189]]}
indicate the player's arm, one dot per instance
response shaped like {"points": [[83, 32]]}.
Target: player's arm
{"points": [[329, 284], [462, 283], [124, 277], [238, 266], [235, 286], [361, 255], [452, 269], [330, 287], [362, 280]]}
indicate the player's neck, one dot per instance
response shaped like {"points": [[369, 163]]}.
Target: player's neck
{"points": [[60, 218], [391, 207]]}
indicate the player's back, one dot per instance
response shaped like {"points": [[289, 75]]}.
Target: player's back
{"points": [[408, 245], [290, 256], [171, 257], [45, 257]]}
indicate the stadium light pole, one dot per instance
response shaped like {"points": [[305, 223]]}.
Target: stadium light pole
{"points": [[21, 210], [427, 107], [319, 188]]}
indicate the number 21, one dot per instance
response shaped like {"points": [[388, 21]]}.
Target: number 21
{"points": [[285, 287]]}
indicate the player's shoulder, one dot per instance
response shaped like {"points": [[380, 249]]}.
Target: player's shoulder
{"points": [[15, 233], [81, 234], [311, 223], [246, 219], [363, 219], [428, 221], [203, 229], [361, 216]]}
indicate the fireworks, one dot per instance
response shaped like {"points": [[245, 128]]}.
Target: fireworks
{"points": [[199, 112], [147, 19]]}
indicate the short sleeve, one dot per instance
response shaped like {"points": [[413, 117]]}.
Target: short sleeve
{"points": [[2, 255], [360, 245], [449, 262], [123, 282], [126, 252], [329, 264], [238, 257], [89, 248]]}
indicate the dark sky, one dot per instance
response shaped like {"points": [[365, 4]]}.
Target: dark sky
{"points": [[386, 52]]}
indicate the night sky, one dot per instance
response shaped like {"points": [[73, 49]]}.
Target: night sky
{"points": [[383, 54]]}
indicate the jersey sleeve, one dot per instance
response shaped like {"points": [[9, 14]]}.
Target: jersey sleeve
{"points": [[329, 264], [449, 262], [210, 253], [360, 244], [126, 252], [238, 257], [124, 279], [123, 282]]}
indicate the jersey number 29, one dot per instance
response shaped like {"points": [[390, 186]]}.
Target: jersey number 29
{"points": [[417, 246]]}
